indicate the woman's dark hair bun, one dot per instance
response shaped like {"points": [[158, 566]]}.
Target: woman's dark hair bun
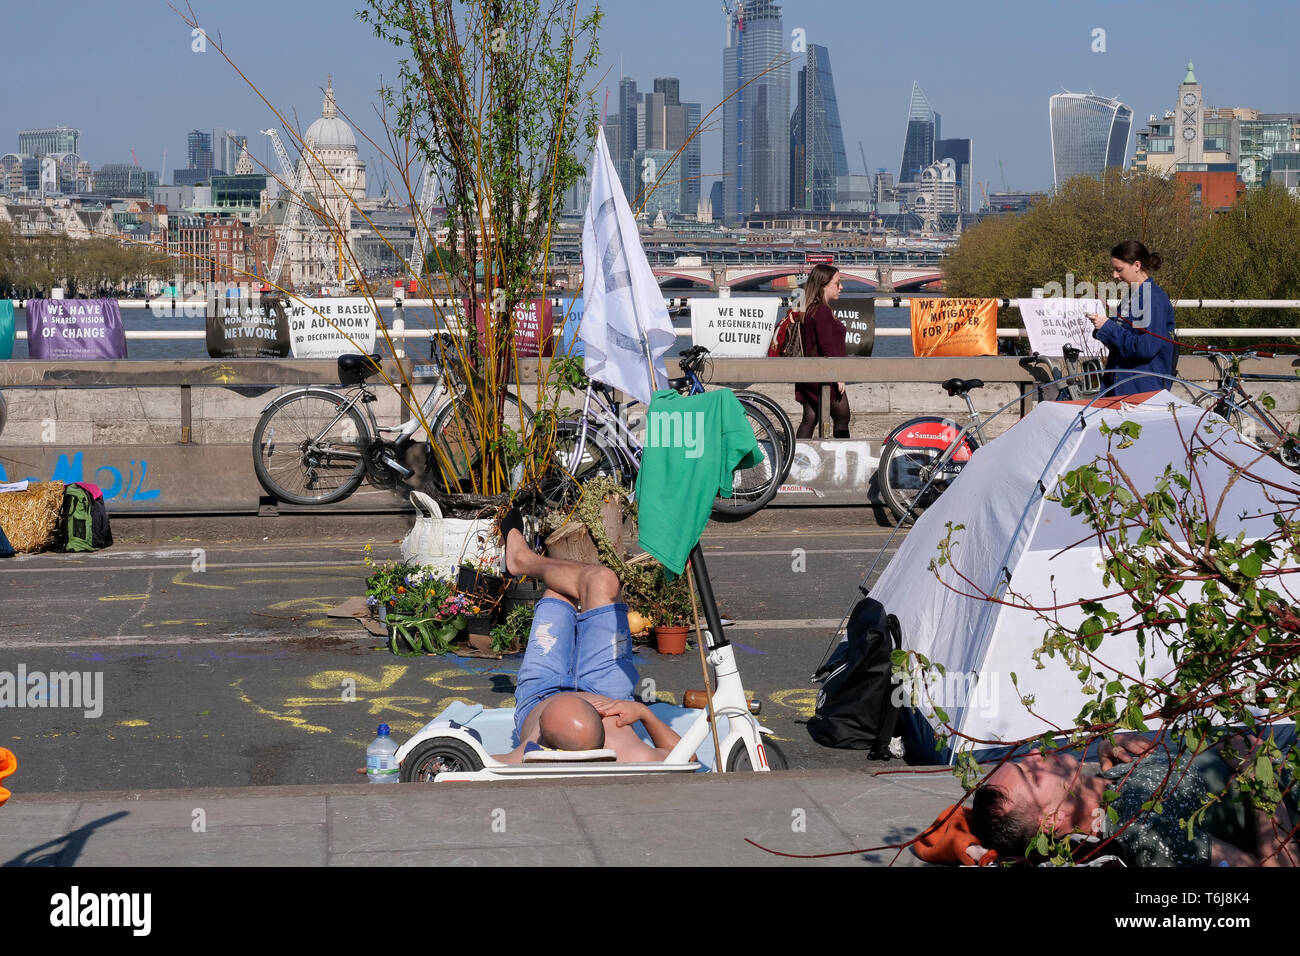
{"points": [[1131, 251]]}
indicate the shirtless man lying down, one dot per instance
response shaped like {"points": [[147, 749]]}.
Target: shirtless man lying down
{"points": [[576, 681]]}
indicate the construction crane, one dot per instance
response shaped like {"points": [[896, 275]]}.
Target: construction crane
{"points": [[1005, 187], [865, 168], [293, 218], [736, 8]]}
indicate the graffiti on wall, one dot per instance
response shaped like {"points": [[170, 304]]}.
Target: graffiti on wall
{"points": [[133, 486]]}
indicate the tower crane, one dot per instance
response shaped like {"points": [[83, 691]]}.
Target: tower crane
{"points": [[293, 218], [865, 168]]}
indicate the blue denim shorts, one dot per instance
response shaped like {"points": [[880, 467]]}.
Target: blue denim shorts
{"points": [[568, 651]]}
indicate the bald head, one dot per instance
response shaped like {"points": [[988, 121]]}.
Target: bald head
{"points": [[569, 722]]}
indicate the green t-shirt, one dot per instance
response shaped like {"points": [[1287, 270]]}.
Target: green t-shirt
{"points": [[693, 445]]}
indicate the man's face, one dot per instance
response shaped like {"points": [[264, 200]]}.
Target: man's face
{"points": [[1040, 786]]}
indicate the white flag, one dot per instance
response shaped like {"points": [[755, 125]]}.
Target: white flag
{"points": [[625, 325]]}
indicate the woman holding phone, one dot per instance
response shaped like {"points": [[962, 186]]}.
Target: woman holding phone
{"points": [[823, 336], [1141, 339]]}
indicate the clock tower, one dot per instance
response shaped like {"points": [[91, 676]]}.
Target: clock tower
{"points": [[1189, 117]]}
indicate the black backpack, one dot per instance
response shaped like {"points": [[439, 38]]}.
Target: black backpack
{"points": [[855, 709]]}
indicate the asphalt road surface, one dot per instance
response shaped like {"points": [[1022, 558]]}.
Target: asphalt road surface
{"points": [[218, 665]]}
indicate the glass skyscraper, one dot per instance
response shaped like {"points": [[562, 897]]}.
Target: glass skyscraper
{"points": [[959, 151], [199, 146], [1089, 134], [922, 132], [756, 120], [817, 156]]}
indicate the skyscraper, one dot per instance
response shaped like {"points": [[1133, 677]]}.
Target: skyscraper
{"points": [[817, 156], [756, 120], [959, 151], [200, 149], [643, 140], [226, 146], [1089, 134], [922, 132]]}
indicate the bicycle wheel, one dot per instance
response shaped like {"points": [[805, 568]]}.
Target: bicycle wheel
{"points": [[1265, 432], [910, 459], [308, 450], [754, 487], [784, 427], [455, 431], [562, 485]]}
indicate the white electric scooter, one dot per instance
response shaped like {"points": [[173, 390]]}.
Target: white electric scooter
{"points": [[458, 744]]}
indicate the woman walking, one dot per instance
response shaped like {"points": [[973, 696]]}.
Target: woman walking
{"points": [[823, 336], [1141, 339]]}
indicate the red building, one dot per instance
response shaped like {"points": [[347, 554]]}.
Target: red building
{"points": [[1212, 185]]}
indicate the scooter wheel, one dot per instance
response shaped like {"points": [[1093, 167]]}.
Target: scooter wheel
{"points": [[429, 759], [738, 759]]}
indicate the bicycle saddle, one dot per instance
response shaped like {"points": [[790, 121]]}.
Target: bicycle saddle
{"points": [[960, 386], [355, 368]]}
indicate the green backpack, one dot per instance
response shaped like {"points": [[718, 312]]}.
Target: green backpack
{"points": [[76, 527]]}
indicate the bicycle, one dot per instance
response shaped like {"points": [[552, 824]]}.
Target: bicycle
{"points": [[313, 445], [1244, 413], [600, 443], [924, 455]]}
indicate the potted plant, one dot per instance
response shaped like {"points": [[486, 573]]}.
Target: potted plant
{"points": [[511, 635], [478, 578], [383, 582], [670, 609], [425, 614]]}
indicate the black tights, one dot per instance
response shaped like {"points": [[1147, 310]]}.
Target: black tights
{"points": [[839, 416]]}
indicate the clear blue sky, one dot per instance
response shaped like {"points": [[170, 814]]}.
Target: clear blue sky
{"points": [[123, 71]]}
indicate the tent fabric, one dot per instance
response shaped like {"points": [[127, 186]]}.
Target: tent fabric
{"points": [[1016, 544]]}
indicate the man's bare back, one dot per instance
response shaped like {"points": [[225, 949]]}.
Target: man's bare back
{"points": [[617, 716]]}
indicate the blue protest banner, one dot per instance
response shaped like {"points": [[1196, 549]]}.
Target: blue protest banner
{"points": [[571, 311]]}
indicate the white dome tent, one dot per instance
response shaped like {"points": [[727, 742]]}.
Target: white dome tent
{"points": [[1017, 545]]}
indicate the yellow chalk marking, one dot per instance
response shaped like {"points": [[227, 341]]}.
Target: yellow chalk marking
{"points": [[180, 577], [289, 718], [124, 597], [801, 700], [133, 723]]}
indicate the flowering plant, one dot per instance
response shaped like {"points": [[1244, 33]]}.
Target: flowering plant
{"points": [[423, 611]]}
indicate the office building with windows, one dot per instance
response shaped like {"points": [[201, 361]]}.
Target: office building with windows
{"points": [[1089, 134], [959, 151], [199, 148], [756, 120], [47, 142], [644, 137], [922, 133], [817, 157], [226, 147]]}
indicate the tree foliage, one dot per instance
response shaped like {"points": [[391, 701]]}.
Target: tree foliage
{"points": [[30, 266], [1249, 252], [491, 93], [1072, 232]]}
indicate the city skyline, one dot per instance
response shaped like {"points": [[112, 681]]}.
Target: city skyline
{"points": [[988, 75]]}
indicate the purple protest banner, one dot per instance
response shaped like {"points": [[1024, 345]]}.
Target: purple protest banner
{"points": [[74, 329]]}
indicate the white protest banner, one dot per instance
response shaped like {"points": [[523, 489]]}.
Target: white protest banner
{"points": [[734, 328], [317, 327], [1052, 323]]}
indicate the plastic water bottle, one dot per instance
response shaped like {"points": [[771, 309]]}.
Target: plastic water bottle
{"points": [[381, 758]]}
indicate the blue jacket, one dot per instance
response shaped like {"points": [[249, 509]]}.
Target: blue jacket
{"points": [[1140, 340]]}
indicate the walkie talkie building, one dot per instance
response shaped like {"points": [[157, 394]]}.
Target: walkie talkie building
{"points": [[1089, 134]]}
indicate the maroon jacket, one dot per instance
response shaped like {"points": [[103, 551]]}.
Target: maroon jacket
{"points": [[823, 335]]}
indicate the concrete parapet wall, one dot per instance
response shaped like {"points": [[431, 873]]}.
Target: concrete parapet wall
{"points": [[125, 425]]}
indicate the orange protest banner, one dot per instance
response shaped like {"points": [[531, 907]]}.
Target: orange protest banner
{"points": [[954, 327]]}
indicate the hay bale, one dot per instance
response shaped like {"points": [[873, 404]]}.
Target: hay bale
{"points": [[30, 518]]}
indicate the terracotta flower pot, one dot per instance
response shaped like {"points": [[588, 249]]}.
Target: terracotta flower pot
{"points": [[671, 640]]}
